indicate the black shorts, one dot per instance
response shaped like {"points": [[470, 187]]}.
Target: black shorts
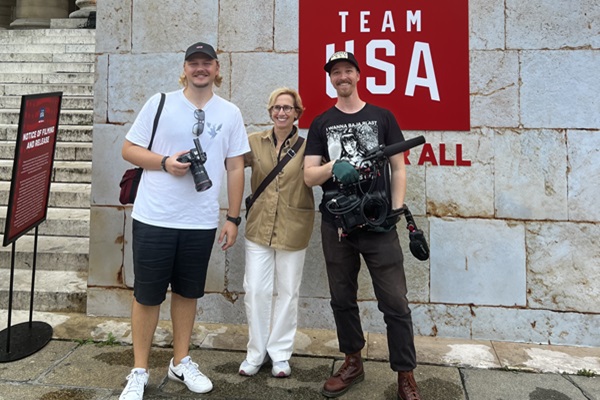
{"points": [[163, 256]]}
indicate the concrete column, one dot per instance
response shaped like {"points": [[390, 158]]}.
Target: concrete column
{"points": [[6, 12], [36, 14], [85, 7]]}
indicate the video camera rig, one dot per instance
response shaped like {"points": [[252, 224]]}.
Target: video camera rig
{"points": [[355, 207]]}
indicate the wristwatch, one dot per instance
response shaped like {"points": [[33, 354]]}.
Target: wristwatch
{"points": [[237, 221]]}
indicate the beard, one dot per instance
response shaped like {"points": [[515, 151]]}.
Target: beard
{"points": [[201, 85], [344, 91], [206, 83]]}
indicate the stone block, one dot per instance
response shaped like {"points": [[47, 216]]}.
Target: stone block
{"points": [[415, 197], [494, 77], [216, 278], [539, 24], [113, 26], [466, 191], [101, 90], [563, 261], [171, 26], [583, 175], [286, 26], [531, 182], [106, 246], [559, 88], [315, 313], [221, 308], [251, 90], [126, 94], [223, 199], [478, 262], [234, 32], [314, 278], [108, 165], [535, 326], [442, 320], [225, 70], [233, 262], [486, 21]]}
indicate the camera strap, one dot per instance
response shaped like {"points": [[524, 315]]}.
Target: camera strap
{"points": [[156, 118], [288, 156]]}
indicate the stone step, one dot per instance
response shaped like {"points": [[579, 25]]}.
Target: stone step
{"points": [[86, 78], [67, 117], [68, 102], [47, 39], [62, 195], [87, 33], [65, 222], [54, 253], [37, 57], [48, 48], [64, 291], [65, 151], [66, 133], [17, 89], [44, 67], [64, 171]]}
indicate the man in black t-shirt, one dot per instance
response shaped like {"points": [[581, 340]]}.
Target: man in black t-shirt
{"points": [[337, 141]]}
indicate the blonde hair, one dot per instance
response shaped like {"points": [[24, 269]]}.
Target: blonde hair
{"points": [[291, 92], [218, 79]]}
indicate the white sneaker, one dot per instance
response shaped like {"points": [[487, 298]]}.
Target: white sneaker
{"points": [[136, 383], [281, 369], [187, 372], [248, 369]]}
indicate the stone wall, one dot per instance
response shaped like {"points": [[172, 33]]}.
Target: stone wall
{"points": [[514, 237]]}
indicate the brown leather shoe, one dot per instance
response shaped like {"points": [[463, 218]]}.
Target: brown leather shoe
{"points": [[407, 386], [350, 372]]}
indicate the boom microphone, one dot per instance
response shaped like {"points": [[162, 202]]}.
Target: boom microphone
{"points": [[403, 146]]}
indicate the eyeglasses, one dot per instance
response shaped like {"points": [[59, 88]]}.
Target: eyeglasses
{"points": [[198, 126], [286, 109]]}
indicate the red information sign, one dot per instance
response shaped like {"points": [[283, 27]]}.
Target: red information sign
{"points": [[413, 56], [32, 167]]}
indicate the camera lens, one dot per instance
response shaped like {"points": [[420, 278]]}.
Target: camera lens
{"points": [[374, 210], [201, 180]]}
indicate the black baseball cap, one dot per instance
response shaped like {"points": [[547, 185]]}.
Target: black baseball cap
{"points": [[203, 48], [341, 56]]}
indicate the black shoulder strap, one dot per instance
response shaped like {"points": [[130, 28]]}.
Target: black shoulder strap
{"points": [[156, 118], [288, 156]]}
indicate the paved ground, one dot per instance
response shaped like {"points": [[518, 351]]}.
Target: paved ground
{"points": [[89, 358]]}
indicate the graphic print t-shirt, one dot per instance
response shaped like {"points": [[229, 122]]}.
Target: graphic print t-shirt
{"points": [[336, 135]]}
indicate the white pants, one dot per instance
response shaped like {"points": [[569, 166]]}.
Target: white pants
{"points": [[272, 284]]}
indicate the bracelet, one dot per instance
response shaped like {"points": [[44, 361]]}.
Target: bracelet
{"points": [[163, 163]]}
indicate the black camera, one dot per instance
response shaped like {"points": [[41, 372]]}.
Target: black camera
{"points": [[196, 157], [366, 203], [354, 209]]}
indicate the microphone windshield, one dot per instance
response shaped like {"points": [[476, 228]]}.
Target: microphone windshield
{"points": [[403, 146]]}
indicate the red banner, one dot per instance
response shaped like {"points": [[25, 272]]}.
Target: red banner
{"points": [[413, 57]]}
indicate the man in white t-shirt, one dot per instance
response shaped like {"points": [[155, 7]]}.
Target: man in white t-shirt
{"points": [[176, 215]]}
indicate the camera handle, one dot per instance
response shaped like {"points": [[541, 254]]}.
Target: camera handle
{"points": [[418, 244], [201, 153]]}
